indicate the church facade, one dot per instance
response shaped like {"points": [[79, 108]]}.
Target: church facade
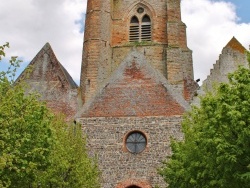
{"points": [[136, 83]]}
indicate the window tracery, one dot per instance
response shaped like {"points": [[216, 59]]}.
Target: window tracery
{"points": [[140, 26]]}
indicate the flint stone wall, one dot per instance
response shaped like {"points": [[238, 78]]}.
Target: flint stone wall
{"points": [[106, 140]]}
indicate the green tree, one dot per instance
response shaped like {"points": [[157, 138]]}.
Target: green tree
{"points": [[25, 133], [70, 165], [38, 148], [216, 149]]}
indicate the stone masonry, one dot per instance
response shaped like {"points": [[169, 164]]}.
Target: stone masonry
{"points": [[136, 97], [233, 55], [106, 139], [133, 86]]}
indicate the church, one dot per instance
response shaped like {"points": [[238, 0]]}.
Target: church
{"points": [[136, 83]]}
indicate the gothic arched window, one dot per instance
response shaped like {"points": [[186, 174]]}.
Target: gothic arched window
{"points": [[134, 30], [146, 28], [140, 29]]}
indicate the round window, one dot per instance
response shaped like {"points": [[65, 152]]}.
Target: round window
{"points": [[136, 142], [140, 10]]}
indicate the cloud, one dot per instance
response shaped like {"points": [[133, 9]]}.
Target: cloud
{"points": [[210, 26], [29, 24], [32, 23]]}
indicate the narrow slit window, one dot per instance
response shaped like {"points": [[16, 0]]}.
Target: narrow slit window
{"points": [[134, 30]]}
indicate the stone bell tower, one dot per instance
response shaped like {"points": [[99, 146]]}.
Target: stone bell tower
{"points": [[153, 27], [97, 51], [136, 82]]}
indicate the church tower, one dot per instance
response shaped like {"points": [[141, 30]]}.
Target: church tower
{"points": [[136, 83], [114, 27]]}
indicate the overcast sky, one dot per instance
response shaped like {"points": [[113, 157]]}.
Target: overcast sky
{"points": [[29, 24]]}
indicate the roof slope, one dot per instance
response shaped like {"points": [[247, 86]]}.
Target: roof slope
{"points": [[46, 76], [45, 66], [236, 45], [135, 89]]}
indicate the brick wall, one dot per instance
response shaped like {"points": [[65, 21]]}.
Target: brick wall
{"points": [[48, 77], [135, 89], [106, 41], [96, 47]]}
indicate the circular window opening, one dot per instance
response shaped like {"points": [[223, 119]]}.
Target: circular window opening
{"points": [[140, 10], [136, 142]]}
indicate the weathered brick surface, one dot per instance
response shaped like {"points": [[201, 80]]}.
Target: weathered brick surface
{"points": [[96, 48], [106, 41], [120, 168], [135, 89], [48, 78], [154, 54]]}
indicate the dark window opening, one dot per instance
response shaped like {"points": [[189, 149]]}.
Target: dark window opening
{"points": [[146, 18], [134, 19], [133, 186]]}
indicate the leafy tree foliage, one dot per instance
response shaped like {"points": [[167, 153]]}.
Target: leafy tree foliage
{"points": [[70, 165], [37, 148], [25, 134], [216, 149]]}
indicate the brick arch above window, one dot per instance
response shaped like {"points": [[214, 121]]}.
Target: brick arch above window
{"points": [[146, 135], [130, 183]]}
